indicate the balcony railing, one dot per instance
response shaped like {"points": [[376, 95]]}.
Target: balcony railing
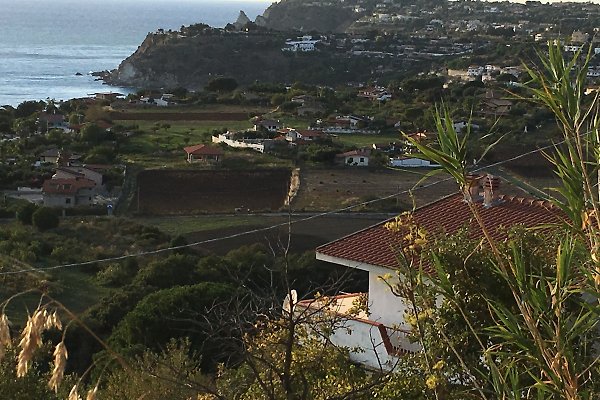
{"points": [[374, 343]]}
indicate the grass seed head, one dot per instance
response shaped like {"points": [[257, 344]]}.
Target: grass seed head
{"points": [[60, 362], [73, 395], [4, 335], [4, 330], [31, 339], [91, 394], [53, 321]]}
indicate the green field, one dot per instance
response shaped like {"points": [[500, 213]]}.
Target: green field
{"points": [[363, 140], [187, 224], [225, 108], [158, 146]]}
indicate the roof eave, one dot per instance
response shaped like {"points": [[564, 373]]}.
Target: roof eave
{"points": [[350, 263]]}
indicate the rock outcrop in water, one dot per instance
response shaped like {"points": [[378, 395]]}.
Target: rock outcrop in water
{"points": [[242, 21]]}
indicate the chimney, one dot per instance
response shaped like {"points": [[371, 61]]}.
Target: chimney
{"points": [[474, 186], [491, 184]]}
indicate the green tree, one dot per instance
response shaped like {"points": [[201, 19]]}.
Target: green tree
{"points": [[221, 84], [92, 133], [45, 218], [173, 374], [34, 385], [174, 313], [175, 270], [277, 99], [25, 213], [27, 108]]}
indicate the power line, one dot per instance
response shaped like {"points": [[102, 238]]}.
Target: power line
{"points": [[235, 235], [264, 229]]}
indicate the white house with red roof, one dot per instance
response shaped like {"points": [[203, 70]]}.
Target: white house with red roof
{"points": [[203, 153], [378, 335], [308, 135], [354, 158], [70, 172], [267, 124], [68, 192]]}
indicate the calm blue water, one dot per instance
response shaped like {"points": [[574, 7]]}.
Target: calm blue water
{"points": [[43, 43]]}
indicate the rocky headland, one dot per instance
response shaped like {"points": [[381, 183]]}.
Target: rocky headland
{"points": [[246, 50]]}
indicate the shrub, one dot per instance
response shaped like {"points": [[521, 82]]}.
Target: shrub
{"points": [[25, 213], [45, 218]]}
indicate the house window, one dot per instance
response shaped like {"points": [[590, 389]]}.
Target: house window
{"points": [[362, 159], [67, 201], [350, 160]]}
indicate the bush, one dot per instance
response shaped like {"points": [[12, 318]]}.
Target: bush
{"points": [[221, 84], [25, 213], [88, 210], [6, 213], [45, 218]]}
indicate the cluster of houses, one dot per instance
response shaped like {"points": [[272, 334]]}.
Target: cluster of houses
{"points": [[73, 183], [50, 121], [375, 93], [278, 136], [486, 73]]}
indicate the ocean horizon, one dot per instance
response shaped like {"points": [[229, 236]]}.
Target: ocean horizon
{"points": [[45, 45]]}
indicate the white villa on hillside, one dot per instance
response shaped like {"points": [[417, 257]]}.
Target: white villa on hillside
{"points": [[377, 337], [303, 43]]}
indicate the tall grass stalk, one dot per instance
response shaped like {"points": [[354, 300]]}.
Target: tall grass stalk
{"points": [[541, 345]]}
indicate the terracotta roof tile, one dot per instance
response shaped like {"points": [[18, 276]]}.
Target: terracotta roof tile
{"points": [[310, 133], [68, 186], [204, 150], [359, 152], [378, 246]]}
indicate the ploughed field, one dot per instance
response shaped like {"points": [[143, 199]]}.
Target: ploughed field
{"points": [[172, 192]]}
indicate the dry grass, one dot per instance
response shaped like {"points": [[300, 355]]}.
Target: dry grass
{"points": [[327, 189]]}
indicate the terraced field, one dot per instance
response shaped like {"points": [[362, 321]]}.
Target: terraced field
{"points": [[176, 192]]}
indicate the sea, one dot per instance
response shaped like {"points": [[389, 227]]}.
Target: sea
{"points": [[45, 45]]}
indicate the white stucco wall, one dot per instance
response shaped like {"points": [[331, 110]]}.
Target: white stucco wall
{"points": [[58, 201], [365, 344], [359, 161], [385, 306], [411, 162], [260, 147]]}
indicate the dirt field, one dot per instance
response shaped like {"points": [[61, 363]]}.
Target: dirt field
{"points": [[167, 192], [326, 189]]}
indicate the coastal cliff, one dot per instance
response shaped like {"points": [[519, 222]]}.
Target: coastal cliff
{"points": [[307, 16], [172, 60], [245, 50]]}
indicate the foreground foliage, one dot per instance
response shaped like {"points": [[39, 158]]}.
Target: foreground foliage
{"points": [[537, 342]]}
